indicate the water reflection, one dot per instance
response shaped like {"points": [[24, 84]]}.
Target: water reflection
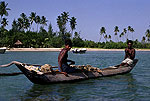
{"points": [[85, 90], [50, 92], [131, 87], [118, 87]]}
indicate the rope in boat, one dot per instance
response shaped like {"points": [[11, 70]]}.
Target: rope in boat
{"points": [[86, 68], [10, 74]]}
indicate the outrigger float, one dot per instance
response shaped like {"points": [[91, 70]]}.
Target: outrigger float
{"points": [[45, 74]]}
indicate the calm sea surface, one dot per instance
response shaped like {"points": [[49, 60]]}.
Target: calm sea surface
{"points": [[134, 86]]}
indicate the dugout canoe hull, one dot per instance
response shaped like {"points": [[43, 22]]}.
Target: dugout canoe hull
{"points": [[48, 78]]}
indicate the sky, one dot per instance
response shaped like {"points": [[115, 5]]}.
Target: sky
{"points": [[91, 15]]}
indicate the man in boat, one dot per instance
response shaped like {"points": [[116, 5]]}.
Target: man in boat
{"points": [[62, 59], [129, 54]]}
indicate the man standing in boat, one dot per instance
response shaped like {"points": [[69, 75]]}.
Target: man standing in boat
{"points": [[129, 54], [62, 59]]}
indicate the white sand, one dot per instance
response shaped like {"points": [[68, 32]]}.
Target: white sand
{"points": [[58, 49]]}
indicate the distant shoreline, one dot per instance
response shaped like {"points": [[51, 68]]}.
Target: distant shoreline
{"points": [[58, 49]]}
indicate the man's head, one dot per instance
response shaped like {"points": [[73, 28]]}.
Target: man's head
{"points": [[68, 44], [130, 43]]}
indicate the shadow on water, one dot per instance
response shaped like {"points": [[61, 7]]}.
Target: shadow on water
{"points": [[50, 92], [121, 87]]}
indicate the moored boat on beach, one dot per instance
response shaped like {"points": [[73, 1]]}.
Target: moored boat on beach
{"points": [[2, 50], [80, 50], [35, 75]]}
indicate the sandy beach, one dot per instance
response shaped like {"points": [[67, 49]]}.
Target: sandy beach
{"points": [[93, 49], [58, 49], [34, 49]]}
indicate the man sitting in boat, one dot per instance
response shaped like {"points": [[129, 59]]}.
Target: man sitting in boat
{"points": [[62, 59], [129, 54]]}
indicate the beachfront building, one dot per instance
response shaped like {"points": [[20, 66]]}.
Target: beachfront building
{"points": [[18, 44]]}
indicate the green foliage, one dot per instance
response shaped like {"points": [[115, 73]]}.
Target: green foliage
{"points": [[57, 42], [21, 30], [44, 39], [3, 9], [90, 44], [78, 42]]}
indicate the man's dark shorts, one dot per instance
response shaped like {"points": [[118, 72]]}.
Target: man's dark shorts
{"points": [[66, 68]]}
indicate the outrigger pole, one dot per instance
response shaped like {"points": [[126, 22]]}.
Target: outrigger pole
{"points": [[10, 74]]}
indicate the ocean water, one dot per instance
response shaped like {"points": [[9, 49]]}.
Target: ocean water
{"points": [[134, 86]]}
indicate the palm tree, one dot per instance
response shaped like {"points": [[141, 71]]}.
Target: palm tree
{"points": [[20, 24], [26, 24], [125, 33], [132, 30], [25, 21], [73, 24], [61, 22], [106, 37], [143, 39], [14, 25], [3, 9], [37, 21], [23, 16], [121, 35], [43, 21], [32, 18], [109, 37], [4, 22], [129, 29], [116, 31], [77, 35], [102, 32], [65, 16], [50, 31], [148, 34]]}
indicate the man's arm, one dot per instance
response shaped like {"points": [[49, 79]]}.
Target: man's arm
{"points": [[72, 62], [133, 54], [126, 54], [60, 58]]}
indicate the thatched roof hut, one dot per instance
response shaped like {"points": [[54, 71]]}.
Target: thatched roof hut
{"points": [[18, 44]]}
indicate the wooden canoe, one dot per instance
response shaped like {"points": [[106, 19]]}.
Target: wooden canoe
{"points": [[49, 78]]}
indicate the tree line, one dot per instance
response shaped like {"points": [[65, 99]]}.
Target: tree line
{"points": [[22, 29]]}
